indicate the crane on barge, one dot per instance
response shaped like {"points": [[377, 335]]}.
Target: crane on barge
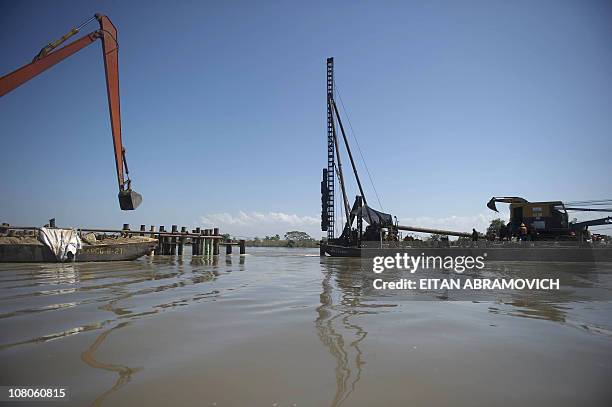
{"points": [[50, 55], [550, 219], [349, 241]]}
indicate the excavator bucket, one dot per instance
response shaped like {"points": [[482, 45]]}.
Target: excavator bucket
{"points": [[129, 200], [491, 205]]}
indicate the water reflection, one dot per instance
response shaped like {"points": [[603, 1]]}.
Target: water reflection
{"points": [[199, 271], [532, 309], [366, 334], [347, 296], [337, 321], [124, 372], [580, 284], [129, 291], [55, 288]]}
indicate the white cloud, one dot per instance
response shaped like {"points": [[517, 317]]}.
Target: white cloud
{"points": [[250, 224]]}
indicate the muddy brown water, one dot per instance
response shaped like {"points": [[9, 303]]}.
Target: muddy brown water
{"points": [[284, 327]]}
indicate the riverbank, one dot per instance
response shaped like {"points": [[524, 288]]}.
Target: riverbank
{"points": [[283, 243]]}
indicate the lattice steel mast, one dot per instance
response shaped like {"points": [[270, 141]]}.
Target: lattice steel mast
{"points": [[330, 149]]}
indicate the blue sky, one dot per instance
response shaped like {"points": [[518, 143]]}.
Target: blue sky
{"points": [[223, 107]]}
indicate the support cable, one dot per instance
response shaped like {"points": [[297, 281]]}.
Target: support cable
{"points": [[337, 91]]}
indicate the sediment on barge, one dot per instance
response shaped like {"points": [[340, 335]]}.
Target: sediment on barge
{"points": [[22, 244]]}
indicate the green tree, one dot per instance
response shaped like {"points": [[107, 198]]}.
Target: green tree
{"points": [[296, 235], [463, 239], [496, 225], [433, 238]]}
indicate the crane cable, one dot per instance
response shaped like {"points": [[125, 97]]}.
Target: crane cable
{"points": [[593, 205], [596, 202], [357, 143]]}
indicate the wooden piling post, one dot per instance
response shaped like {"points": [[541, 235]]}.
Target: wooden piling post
{"points": [[195, 243], [173, 240], [210, 242], [204, 242], [142, 230], [52, 223], [152, 236], [242, 246], [228, 248], [182, 241], [203, 245], [216, 242], [162, 241], [205, 252], [126, 230]]}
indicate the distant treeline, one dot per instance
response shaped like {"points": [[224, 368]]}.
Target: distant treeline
{"points": [[293, 238], [281, 243]]}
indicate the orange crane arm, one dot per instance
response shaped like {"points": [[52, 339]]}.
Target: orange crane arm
{"points": [[36, 67], [49, 56]]}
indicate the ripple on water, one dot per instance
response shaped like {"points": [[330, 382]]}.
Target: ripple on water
{"points": [[167, 322]]}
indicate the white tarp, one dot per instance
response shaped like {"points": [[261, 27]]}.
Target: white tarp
{"points": [[61, 241]]}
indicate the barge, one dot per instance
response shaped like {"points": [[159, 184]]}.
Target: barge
{"points": [[537, 231], [52, 245], [30, 250], [549, 252]]}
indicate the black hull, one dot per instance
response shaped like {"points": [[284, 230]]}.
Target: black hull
{"points": [[526, 254], [339, 251], [37, 253]]}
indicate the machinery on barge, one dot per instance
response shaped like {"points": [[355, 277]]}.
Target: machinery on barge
{"points": [[549, 220], [555, 237], [380, 225]]}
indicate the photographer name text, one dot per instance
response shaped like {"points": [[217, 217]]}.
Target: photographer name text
{"points": [[475, 284]]}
